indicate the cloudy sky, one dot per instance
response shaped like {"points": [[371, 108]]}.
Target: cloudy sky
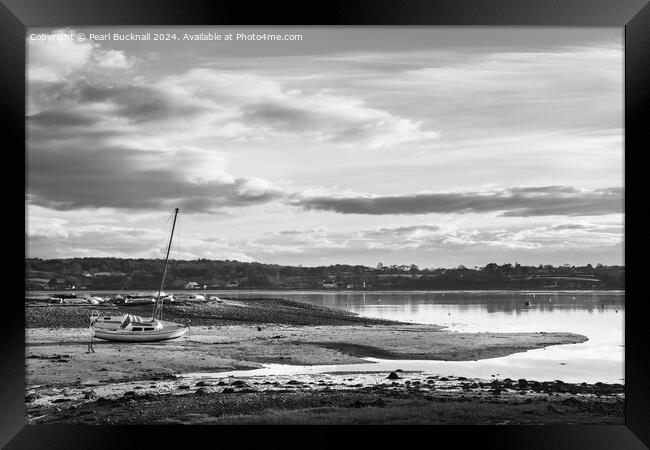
{"points": [[435, 146]]}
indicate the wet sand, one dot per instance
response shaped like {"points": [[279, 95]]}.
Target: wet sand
{"points": [[58, 356], [236, 335]]}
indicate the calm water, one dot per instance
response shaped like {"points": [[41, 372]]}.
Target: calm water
{"points": [[599, 315]]}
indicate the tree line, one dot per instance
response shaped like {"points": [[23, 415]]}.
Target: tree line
{"points": [[127, 273]]}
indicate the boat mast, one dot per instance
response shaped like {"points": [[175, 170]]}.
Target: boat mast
{"points": [[158, 306]]}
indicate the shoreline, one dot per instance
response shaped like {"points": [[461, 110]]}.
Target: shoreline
{"points": [[236, 335], [402, 397], [58, 355]]}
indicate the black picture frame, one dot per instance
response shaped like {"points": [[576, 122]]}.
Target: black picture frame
{"points": [[15, 15]]}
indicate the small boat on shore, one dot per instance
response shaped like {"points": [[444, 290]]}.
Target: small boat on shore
{"points": [[133, 328], [190, 298]]}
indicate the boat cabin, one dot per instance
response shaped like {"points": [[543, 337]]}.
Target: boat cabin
{"points": [[126, 322]]}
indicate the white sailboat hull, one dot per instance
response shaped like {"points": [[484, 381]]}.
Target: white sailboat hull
{"points": [[168, 331], [133, 328]]}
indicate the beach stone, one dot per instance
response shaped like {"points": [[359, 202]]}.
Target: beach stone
{"points": [[228, 390], [393, 376], [184, 386], [31, 397], [238, 383], [522, 383], [89, 394], [443, 379], [201, 391], [203, 383]]}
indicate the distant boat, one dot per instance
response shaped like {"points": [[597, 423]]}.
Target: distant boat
{"points": [[133, 328], [190, 298]]}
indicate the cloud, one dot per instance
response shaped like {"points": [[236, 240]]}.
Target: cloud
{"points": [[428, 241], [56, 64], [62, 55], [270, 110], [127, 178], [512, 202], [68, 239]]}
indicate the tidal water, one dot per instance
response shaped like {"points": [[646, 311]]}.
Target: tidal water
{"points": [[599, 315]]}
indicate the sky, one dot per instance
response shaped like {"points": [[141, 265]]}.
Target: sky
{"points": [[435, 146]]}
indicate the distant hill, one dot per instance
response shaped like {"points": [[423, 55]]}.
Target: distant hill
{"points": [[123, 273]]}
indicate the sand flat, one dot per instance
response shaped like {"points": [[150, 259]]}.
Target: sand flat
{"points": [[58, 356]]}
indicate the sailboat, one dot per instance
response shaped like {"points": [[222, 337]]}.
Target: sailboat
{"points": [[133, 328]]}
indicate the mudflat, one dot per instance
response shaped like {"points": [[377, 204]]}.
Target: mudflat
{"points": [[245, 334]]}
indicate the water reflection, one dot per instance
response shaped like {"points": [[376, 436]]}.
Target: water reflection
{"points": [[599, 315]]}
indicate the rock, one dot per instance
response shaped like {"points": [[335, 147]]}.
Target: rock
{"points": [[203, 383], [228, 390], [238, 383], [393, 376], [259, 328], [201, 391], [184, 386], [31, 397], [90, 394], [444, 379], [129, 394], [522, 383]]}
